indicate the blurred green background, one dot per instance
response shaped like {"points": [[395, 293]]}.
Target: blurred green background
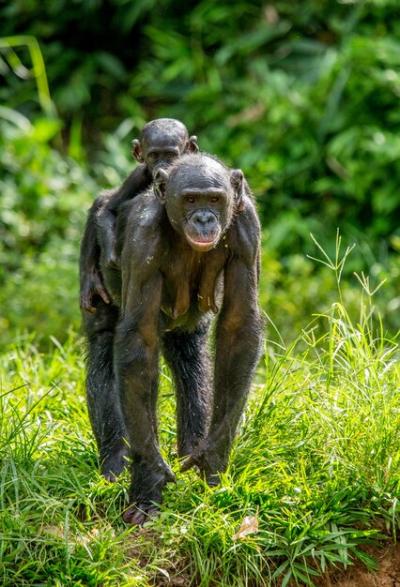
{"points": [[304, 97]]}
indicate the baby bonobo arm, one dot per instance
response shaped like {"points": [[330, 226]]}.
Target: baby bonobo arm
{"points": [[91, 281], [99, 237], [106, 217]]}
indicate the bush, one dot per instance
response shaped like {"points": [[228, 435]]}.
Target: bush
{"points": [[44, 197], [304, 100]]}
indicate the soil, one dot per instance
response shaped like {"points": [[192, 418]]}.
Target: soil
{"points": [[387, 574]]}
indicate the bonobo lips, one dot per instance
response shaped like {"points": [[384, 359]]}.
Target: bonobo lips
{"points": [[202, 243]]}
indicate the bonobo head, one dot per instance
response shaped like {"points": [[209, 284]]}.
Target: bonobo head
{"points": [[200, 196], [161, 141]]}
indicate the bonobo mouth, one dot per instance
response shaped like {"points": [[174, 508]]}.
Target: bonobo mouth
{"points": [[202, 243], [164, 165]]}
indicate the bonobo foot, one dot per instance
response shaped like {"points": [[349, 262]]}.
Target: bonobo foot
{"points": [[146, 492], [208, 463], [113, 464]]}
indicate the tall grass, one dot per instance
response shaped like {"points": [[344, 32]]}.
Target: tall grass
{"points": [[315, 468]]}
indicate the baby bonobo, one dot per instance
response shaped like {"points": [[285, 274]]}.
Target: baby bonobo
{"points": [[160, 142], [191, 249]]}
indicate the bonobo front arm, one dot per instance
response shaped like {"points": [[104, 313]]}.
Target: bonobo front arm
{"points": [[136, 360], [239, 334], [136, 353]]}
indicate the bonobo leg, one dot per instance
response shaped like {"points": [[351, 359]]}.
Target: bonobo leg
{"points": [[102, 398], [136, 362], [187, 357], [238, 342]]}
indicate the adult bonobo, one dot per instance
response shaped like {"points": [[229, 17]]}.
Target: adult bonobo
{"points": [[191, 248], [160, 142]]}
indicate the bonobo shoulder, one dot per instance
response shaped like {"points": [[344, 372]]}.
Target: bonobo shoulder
{"points": [[102, 200], [145, 211], [142, 233], [244, 232]]}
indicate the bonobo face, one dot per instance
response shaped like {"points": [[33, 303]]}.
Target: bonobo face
{"points": [[162, 141], [199, 195], [160, 152]]}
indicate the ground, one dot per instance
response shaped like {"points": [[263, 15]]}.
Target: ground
{"points": [[387, 575]]}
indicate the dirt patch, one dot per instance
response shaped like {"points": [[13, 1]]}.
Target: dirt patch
{"points": [[387, 575]]}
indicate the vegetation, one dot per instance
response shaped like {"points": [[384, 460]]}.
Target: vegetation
{"points": [[305, 101], [316, 470]]}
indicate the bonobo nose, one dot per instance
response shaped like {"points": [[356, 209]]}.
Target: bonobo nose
{"points": [[161, 165], [203, 218]]}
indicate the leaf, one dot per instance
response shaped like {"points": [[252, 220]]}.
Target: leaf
{"points": [[248, 526]]}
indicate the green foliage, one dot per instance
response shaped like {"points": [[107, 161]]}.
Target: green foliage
{"points": [[42, 193], [44, 198], [304, 100], [8, 45]]}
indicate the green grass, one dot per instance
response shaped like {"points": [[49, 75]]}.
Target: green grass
{"points": [[317, 463]]}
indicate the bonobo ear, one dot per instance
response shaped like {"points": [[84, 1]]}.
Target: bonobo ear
{"points": [[137, 150], [160, 184], [191, 145], [237, 183]]}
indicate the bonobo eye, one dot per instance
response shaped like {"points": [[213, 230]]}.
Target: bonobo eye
{"points": [[190, 199], [214, 199]]}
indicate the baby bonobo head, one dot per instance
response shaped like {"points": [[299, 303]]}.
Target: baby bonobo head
{"points": [[161, 141], [200, 196]]}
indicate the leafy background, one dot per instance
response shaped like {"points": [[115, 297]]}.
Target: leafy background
{"points": [[303, 98]]}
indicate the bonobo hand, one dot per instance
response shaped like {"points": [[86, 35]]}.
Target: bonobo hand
{"points": [[146, 502], [138, 514], [92, 286], [206, 462]]}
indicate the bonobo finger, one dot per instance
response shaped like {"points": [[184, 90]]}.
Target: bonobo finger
{"points": [[188, 463], [104, 295], [100, 289], [212, 479], [134, 517], [169, 475], [137, 515], [87, 306], [102, 292], [110, 477]]}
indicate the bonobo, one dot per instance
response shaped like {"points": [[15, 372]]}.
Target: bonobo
{"points": [[160, 142], [191, 249]]}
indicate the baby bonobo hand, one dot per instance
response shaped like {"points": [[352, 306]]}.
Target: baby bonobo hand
{"points": [[93, 286]]}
